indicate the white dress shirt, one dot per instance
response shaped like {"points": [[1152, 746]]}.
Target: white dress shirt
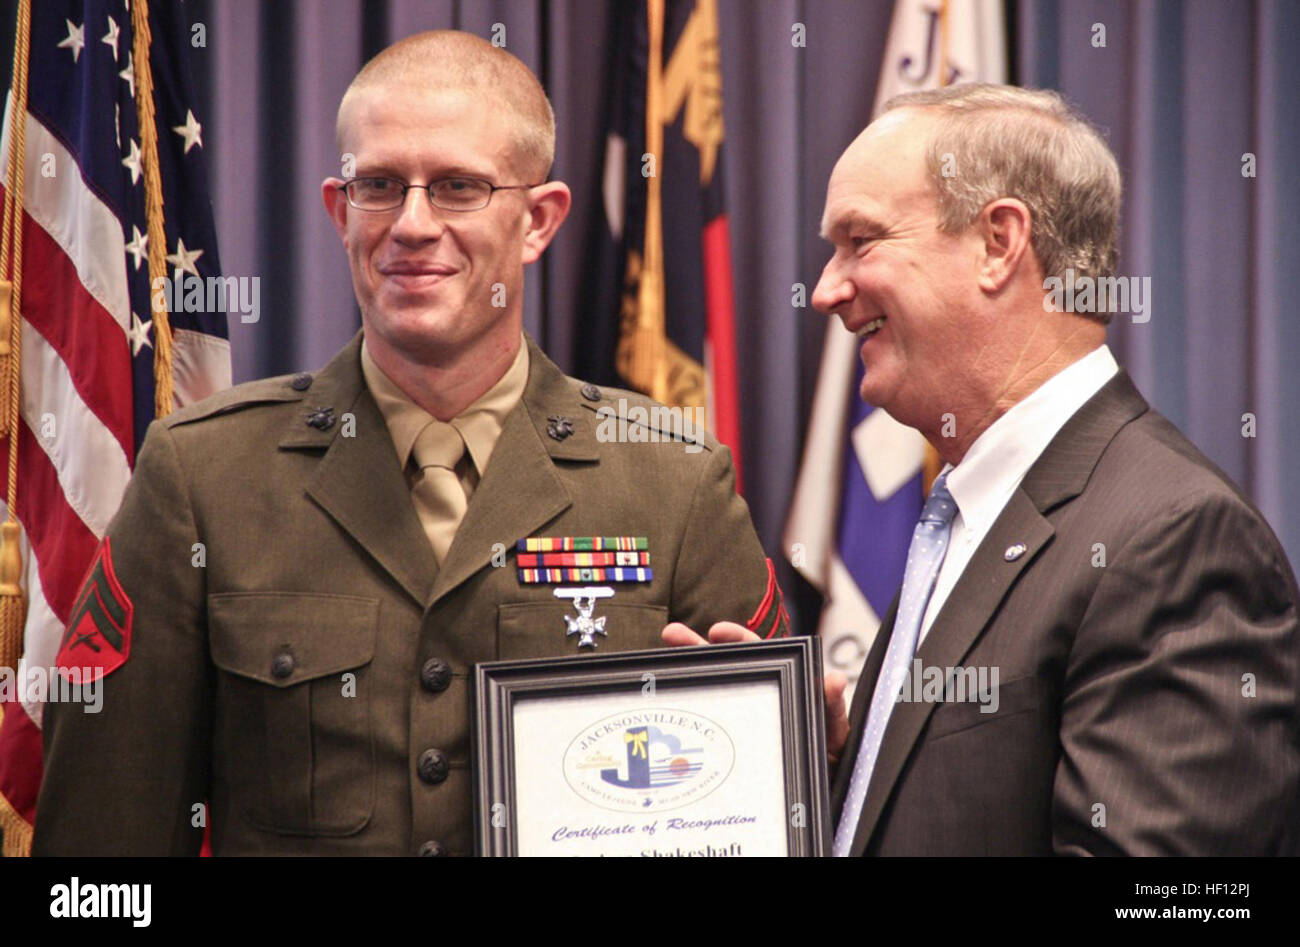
{"points": [[995, 464]]}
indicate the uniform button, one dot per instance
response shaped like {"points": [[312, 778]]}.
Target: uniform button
{"points": [[300, 382], [435, 676], [432, 849], [282, 665], [591, 392], [433, 766]]}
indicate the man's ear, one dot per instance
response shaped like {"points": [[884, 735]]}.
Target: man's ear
{"points": [[336, 205], [1006, 227], [549, 205]]}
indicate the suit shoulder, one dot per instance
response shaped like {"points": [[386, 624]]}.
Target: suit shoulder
{"points": [[264, 391], [1180, 485], [617, 408], [1156, 452]]}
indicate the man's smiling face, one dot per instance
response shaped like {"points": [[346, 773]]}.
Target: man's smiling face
{"points": [[427, 279], [896, 280]]}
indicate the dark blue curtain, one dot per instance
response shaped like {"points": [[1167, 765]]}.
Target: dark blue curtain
{"points": [[1186, 91]]}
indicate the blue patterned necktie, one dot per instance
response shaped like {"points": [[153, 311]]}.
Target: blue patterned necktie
{"points": [[924, 557]]}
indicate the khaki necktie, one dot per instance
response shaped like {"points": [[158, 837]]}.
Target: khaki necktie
{"points": [[439, 497]]}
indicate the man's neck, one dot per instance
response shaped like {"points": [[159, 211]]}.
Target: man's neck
{"points": [[445, 389], [999, 395]]}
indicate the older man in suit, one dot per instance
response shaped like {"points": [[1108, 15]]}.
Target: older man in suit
{"points": [[1095, 647]]}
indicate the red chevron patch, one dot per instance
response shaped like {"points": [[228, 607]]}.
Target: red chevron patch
{"points": [[99, 631]]}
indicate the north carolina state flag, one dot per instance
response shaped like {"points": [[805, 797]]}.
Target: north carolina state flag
{"points": [[660, 312]]}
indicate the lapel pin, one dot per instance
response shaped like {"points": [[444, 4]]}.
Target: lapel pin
{"points": [[1014, 552], [559, 427], [322, 419], [583, 625]]}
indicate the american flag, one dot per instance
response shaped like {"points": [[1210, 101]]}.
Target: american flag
{"points": [[88, 334]]}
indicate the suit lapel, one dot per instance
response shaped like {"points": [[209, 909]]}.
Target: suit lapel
{"points": [[359, 482], [520, 491], [970, 606], [1060, 473]]}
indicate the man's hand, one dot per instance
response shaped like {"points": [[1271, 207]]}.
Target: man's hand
{"points": [[678, 635], [837, 715], [724, 632]]}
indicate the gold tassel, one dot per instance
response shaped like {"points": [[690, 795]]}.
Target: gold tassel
{"points": [[13, 606]]}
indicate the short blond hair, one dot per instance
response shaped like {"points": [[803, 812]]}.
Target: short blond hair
{"points": [[1031, 145], [455, 61]]}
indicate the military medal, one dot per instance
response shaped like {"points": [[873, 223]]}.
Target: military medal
{"points": [[583, 625], [544, 560]]}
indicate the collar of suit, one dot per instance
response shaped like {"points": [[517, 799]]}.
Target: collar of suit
{"points": [[1059, 475], [361, 485]]}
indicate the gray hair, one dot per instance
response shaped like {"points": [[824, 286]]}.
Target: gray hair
{"points": [[1031, 145]]}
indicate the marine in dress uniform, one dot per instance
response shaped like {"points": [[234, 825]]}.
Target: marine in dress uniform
{"points": [[288, 605], [310, 678]]}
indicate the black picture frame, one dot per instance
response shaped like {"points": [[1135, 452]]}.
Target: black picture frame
{"points": [[793, 663]]}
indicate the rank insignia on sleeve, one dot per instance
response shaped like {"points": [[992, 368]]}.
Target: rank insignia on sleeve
{"points": [[770, 619], [98, 636], [550, 560]]}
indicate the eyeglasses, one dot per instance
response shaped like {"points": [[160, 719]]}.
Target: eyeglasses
{"points": [[454, 194]]}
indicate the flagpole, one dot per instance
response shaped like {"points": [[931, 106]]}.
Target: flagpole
{"points": [[931, 462], [648, 365]]}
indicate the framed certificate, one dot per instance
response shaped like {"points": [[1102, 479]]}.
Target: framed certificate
{"points": [[711, 751]]}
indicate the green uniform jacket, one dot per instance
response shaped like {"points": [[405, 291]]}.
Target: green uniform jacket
{"points": [[305, 670]]}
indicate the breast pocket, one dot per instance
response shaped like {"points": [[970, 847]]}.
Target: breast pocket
{"points": [[541, 629], [293, 712], [999, 704]]}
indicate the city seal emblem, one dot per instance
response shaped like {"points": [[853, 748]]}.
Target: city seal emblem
{"points": [[648, 760]]}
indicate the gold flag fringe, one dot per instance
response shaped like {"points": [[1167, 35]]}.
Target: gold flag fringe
{"points": [[13, 608], [17, 830], [153, 205]]}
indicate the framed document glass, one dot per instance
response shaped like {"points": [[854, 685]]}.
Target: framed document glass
{"points": [[710, 751]]}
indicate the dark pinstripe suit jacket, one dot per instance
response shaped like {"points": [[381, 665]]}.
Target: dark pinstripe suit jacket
{"points": [[1150, 705]]}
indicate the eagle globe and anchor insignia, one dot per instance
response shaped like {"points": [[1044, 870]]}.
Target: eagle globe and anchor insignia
{"points": [[648, 760]]}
